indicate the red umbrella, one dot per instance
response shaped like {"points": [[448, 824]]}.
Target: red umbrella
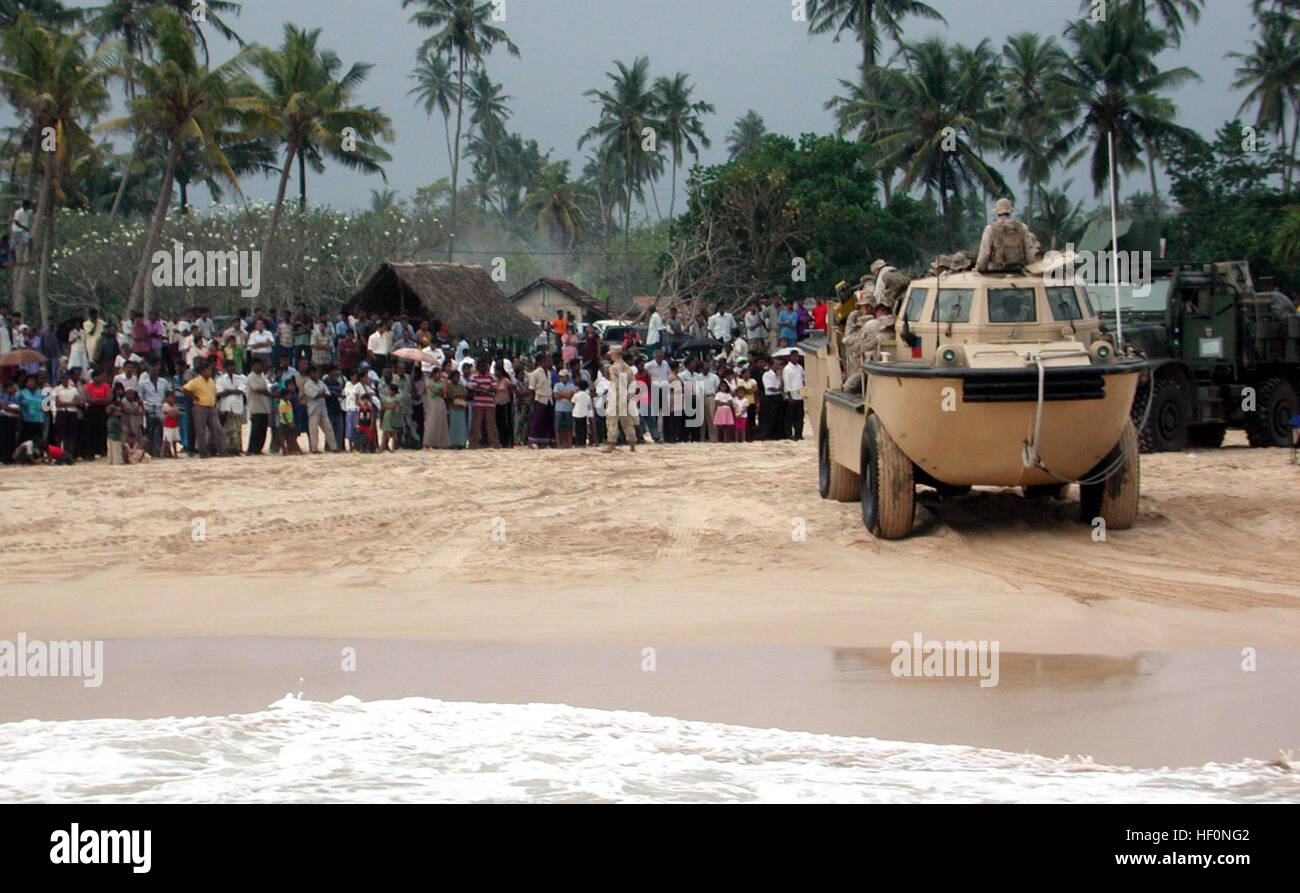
{"points": [[22, 357]]}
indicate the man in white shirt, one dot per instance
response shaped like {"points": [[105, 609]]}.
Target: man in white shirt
{"points": [[20, 232], [655, 332], [792, 378], [314, 392], [231, 391], [772, 412], [721, 325], [379, 345], [706, 385], [658, 371]]}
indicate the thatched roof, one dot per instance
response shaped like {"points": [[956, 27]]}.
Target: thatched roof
{"points": [[462, 296]]}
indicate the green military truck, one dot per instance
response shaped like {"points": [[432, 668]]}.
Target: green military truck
{"points": [[1221, 355]]}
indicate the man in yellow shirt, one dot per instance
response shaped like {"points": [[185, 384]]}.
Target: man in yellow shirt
{"points": [[209, 437]]}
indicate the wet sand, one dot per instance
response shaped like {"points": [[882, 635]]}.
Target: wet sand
{"points": [[1143, 710]]}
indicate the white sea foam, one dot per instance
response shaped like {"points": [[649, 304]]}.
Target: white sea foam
{"points": [[422, 750]]}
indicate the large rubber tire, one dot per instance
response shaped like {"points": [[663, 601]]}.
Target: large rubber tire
{"points": [[1166, 427], [1206, 437], [1115, 500], [888, 484], [834, 481], [1270, 424]]}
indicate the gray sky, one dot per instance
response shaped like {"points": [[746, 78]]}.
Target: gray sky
{"points": [[742, 54]]}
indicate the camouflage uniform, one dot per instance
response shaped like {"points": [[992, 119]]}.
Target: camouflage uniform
{"points": [[620, 403], [1007, 245]]}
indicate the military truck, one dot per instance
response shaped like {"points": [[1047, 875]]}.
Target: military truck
{"points": [[1221, 356], [988, 380]]}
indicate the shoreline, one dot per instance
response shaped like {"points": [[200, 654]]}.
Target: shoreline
{"points": [[1142, 710]]}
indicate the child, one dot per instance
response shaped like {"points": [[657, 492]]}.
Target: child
{"points": [[724, 417], [114, 409], [171, 426], [581, 413], [289, 419], [132, 428], [740, 409], [365, 428]]}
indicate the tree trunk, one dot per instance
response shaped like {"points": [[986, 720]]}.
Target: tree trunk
{"points": [[1289, 177], [455, 158], [943, 206], [121, 187], [185, 196], [627, 228], [672, 196], [44, 227], [302, 181], [155, 231], [279, 203], [1155, 191]]}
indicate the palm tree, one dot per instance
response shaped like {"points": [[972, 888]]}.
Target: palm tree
{"points": [[1032, 88], [383, 201], [465, 34], [1059, 217], [1112, 78], [130, 22], [628, 113], [436, 90], [937, 121], [557, 203], [683, 129], [305, 104], [488, 114], [746, 136], [1175, 15], [60, 87], [1270, 73], [867, 20], [178, 100]]}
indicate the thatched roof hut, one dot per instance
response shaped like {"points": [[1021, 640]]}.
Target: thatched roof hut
{"points": [[462, 296]]}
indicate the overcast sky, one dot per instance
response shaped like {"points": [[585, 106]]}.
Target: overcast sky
{"points": [[741, 54]]}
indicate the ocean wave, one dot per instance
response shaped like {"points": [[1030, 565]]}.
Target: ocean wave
{"points": [[423, 750]]}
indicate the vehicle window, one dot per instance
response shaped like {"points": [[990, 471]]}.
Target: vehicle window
{"points": [[1148, 298], [953, 305], [1064, 303], [1012, 305], [915, 301]]}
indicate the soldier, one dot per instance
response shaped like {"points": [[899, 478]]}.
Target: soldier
{"points": [[1007, 245], [620, 403], [890, 283]]}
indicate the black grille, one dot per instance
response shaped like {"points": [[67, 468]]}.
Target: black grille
{"points": [[1021, 386]]}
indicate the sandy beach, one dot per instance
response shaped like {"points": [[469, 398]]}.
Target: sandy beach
{"points": [[526, 576], [717, 544]]}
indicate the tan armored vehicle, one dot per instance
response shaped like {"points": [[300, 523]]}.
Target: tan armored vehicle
{"points": [[987, 380]]}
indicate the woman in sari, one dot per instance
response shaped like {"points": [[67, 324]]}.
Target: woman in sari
{"points": [[436, 436], [523, 405], [457, 397]]}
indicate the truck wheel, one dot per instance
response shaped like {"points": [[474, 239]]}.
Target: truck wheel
{"points": [[834, 481], [1207, 437], [1115, 500], [1166, 427], [888, 487], [1270, 424]]}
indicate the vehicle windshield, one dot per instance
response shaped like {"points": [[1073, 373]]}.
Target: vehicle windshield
{"points": [[1014, 305], [1150, 298]]}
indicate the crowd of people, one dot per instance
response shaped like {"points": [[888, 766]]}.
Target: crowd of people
{"points": [[259, 382]]}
